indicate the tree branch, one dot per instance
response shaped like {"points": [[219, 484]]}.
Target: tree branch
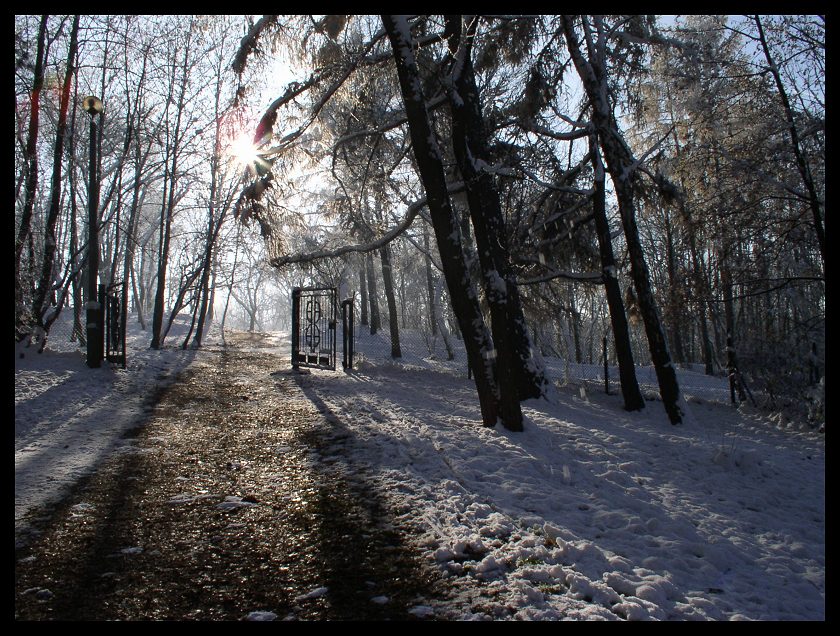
{"points": [[411, 213]]}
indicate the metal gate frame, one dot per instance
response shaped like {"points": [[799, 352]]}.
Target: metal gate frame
{"points": [[314, 345], [115, 319]]}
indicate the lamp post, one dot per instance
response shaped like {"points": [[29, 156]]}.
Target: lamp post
{"points": [[95, 326]]}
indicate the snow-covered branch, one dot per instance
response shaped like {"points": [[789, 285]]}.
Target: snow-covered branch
{"points": [[410, 214], [587, 277]]}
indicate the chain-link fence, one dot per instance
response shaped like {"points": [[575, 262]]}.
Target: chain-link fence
{"points": [[445, 351], [67, 333]]}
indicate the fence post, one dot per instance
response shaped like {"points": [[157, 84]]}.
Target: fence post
{"points": [[295, 326], [606, 370], [347, 332]]}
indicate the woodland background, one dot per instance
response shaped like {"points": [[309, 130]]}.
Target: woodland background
{"points": [[549, 180]]}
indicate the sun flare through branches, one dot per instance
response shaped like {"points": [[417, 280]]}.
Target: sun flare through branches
{"points": [[243, 151]]}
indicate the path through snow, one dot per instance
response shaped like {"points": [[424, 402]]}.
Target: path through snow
{"points": [[591, 513]]}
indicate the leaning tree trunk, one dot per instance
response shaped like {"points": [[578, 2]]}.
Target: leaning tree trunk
{"points": [[633, 400], [814, 202], [477, 340], [621, 166], [517, 369]]}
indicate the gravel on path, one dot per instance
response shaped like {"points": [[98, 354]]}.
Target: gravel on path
{"points": [[237, 499]]}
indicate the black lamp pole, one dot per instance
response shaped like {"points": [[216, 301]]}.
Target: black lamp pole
{"points": [[95, 313]]}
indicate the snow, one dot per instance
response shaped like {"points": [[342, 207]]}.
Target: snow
{"points": [[68, 416], [591, 513]]}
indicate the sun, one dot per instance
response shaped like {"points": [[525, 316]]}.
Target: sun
{"points": [[243, 151]]}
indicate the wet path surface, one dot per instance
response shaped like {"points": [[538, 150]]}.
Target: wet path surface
{"points": [[237, 498]]}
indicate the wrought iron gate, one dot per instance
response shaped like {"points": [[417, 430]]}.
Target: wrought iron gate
{"points": [[114, 324], [313, 327]]}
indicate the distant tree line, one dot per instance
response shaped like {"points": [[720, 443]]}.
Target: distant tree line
{"points": [[529, 184]]}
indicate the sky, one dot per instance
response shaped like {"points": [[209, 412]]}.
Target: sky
{"points": [[592, 513]]}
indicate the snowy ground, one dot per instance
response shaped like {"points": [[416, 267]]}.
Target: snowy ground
{"points": [[592, 513], [68, 416]]}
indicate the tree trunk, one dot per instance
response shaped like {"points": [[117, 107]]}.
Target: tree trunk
{"points": [[204, 290], [167, 210], [430, 283], [674, 312], [479, 346], [801, 162], [729, 318], [574, 322], [701, 289], [45, 281], [440, 322], [163, 259], [517, 370], [363, 290], [22, 316], [633, 400], [375, 322], [621, 166], [387, 281]]}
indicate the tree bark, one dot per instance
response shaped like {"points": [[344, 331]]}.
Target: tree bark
{"points": [[387, 281], [372, 294], [517, 369], [633, 400], [674, 300], [31, 182], [45, 282], [430, 282], [477, 340], [621, 166], [363, 290]]}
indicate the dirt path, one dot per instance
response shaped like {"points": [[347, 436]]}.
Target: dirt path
{"points": [[236, 499]]}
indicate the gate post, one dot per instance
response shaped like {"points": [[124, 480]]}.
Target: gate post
{"points": [[295, 326], [115, 323], [347, 332]]}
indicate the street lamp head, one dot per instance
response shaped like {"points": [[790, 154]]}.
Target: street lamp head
{"points": [[92, 105]]}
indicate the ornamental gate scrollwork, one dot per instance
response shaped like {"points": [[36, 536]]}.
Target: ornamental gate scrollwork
{"points": [[314, 327]]}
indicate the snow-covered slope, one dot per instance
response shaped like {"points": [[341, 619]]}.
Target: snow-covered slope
{"points": [[591, 513]]}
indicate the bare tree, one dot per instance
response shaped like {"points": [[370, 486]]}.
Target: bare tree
{"points": [[177, 97], [622, 168], [45, 282], [22, 317]]}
